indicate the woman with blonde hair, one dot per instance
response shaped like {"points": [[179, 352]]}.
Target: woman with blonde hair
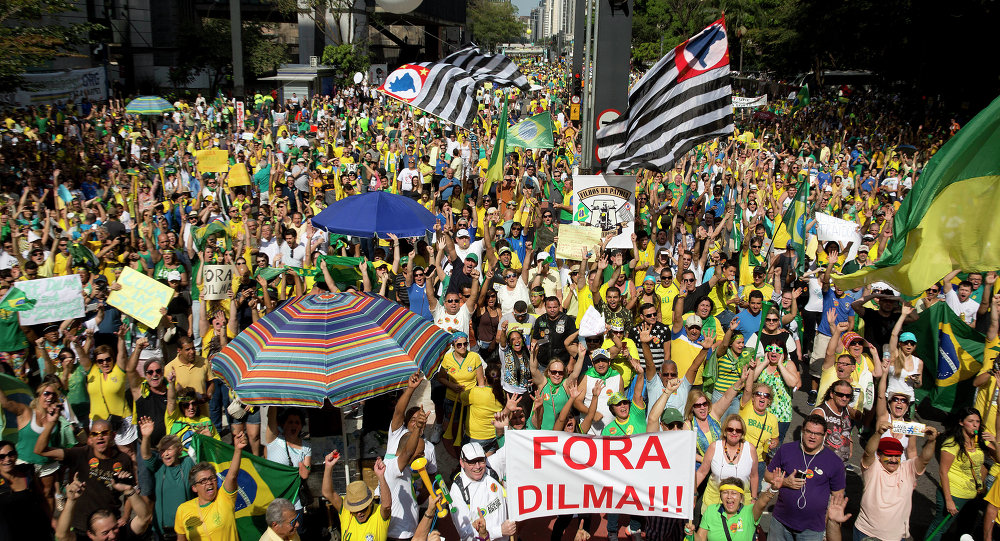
{"points": [[702, 415], [731, 456]]}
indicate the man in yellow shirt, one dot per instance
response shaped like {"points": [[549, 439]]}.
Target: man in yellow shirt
{"points": [[359, 519], [211, 516], [191, 368]]}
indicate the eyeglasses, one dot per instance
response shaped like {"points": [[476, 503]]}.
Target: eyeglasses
{"points": [[509, 276], [294, 521], [47, 394], [811, 433], [650, 314], [933, 290], [95, 434], [451, 300], [763, 395], [12, 455], [207, 482], [842, 395], [102, 360], [734, 430], [669, 375], [700, 405]]}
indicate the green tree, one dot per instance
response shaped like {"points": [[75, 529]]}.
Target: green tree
{"points": [[348, 60], [208, 47], [493, 23], [27, 43]]}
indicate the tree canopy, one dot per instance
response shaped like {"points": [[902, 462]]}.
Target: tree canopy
{"points": [[26, 43], [208, 47], [493, 23]]}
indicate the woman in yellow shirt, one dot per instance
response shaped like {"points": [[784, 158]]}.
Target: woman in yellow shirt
{"points": [[963, 474], [460, 370], [107, 382], [484, 401]]}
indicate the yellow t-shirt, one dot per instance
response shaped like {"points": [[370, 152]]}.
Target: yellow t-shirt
{"points": [[213, 522], [194, 375], [107, 393], [646, 257], [482, 406], [960, 475], [463, 372], [761, 429], [683, 353], [667, 295], [375, 528], [985, 393], [620, 363]]}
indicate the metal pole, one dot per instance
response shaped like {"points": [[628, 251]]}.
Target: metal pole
{"points": [[236, 29], [588, 158]]}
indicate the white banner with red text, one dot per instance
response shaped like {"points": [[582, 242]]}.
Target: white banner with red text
{"points": [[558, 473]]}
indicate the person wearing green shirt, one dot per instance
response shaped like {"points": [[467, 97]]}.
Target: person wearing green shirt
{"points": [[629, 419], [550, 387], [731, 515]]}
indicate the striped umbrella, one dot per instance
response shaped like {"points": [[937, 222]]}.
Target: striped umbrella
{"points": [[344, 347], [148, 105]]}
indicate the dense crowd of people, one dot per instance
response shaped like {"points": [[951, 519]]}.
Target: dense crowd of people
{"points": [[708, 324]]}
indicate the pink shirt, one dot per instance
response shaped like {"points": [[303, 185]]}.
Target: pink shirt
{"points": [[887, 498]]}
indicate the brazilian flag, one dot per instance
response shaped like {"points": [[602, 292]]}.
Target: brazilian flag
{"points": [[214, 227], [16, 301], [260, 481], [494, 172], [343, 270], [952, 353], [532, 132], [793, 224], [18, 391]]}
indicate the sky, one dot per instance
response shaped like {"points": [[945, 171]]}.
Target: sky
{"points": [[524, 6]]}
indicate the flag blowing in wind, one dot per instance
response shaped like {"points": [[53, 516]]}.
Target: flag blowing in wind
{"points": [[952, 353], [683, 100], [949, 220], [494, 172], [532, 132], [447, 88], [793, 225]]}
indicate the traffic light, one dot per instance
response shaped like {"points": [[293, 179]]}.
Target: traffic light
{"points": [[577, 85]]}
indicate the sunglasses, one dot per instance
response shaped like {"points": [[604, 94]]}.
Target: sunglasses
{"points": [[700, 405], [5, 456], [669, 375], [666, 278], [687, 280], [103, 360], [734, 430], [676, 425], [909, 343], [557, 372], [47, 394], [901, 399], [452, 300], [843, 395], [155, 371], [99, 434], [763, 395], [771, 320], [461, 344]]}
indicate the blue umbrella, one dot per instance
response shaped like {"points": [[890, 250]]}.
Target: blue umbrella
{"points": [[376, 214]]}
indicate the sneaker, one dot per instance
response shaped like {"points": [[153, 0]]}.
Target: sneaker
{"points": [[812, 398]]}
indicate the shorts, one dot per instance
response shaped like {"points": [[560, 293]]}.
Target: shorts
{"points": [[43, 470], [252, 418], [818, 355]]}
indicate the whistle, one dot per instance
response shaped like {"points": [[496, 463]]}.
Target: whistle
{"points": [[437, 487]]}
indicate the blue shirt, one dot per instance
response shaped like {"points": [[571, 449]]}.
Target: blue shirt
{"points": [[749, 323], [418, 300], [449, 185], [843, 306], [823, 179]]}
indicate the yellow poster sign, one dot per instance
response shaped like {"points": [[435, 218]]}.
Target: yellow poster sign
{"points": [[238, 175], [212, 161], [574, 238], [140, 297]]}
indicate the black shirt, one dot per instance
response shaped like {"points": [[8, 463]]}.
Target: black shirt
{"points": [[153, 406], [459, 280], [878, 328], [661, 335], [555, 331], [98, 474]]}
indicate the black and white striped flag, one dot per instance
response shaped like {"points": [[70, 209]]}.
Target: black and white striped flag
{"points": [[683, 100], [447, 88]]}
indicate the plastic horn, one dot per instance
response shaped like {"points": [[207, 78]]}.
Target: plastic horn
{"points": [[420, 466]]}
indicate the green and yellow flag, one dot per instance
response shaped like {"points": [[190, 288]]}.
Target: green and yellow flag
{"points": [[791, 232], [494, 173], [949, 220], [532, 132], [16, 301], [260, 481], [952, 353]]}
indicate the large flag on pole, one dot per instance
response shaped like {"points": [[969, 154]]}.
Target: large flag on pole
{"points": [[683, 100], [949, 220], [792, 230], [447, 88], [952, 353], [532, 132], [494, 172], [260, 481]]}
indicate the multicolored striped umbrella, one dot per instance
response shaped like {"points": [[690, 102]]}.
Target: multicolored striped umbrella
{"points": [[148, 105], [343, 347]]}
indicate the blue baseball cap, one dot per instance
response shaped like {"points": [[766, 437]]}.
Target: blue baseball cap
{"points": [[907, 337]]}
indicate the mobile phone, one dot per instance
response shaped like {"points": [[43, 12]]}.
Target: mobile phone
{"points": [[799, 474]]}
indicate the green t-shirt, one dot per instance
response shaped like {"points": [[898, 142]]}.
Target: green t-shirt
{"points": [[553, 400], [742, 526], [78, 387], [11, 336], [636, 423]]}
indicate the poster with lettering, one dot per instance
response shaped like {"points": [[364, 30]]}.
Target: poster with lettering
{"points": [[141, 297], [557, 473], [56, 299], [608, 202], [218, 282]]}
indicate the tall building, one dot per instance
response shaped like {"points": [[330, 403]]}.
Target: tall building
{"points": [[558, 16]]}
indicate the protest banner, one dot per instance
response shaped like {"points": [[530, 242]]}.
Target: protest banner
{"points": [[557, 473], [56, 299], [218, 282], [842, 231], [238, 175], [58, 86], [240, 115], [212, 161], [141, 297], [740, 102], [607, 202], [573, 238]]}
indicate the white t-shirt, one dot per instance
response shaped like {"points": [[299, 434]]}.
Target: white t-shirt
{"points": [[404, 508], [474, 248], [508, 298], [965, 310], [452, 323], [292, 257]]}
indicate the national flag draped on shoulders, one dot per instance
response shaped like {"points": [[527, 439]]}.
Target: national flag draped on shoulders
{"points": [[949, 220], [260, 481], [952, 353], [447, 88], [685, 99]]}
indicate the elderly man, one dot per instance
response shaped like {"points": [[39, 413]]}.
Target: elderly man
{"points": [[282, 519], [211, 515], [480, 511]]}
